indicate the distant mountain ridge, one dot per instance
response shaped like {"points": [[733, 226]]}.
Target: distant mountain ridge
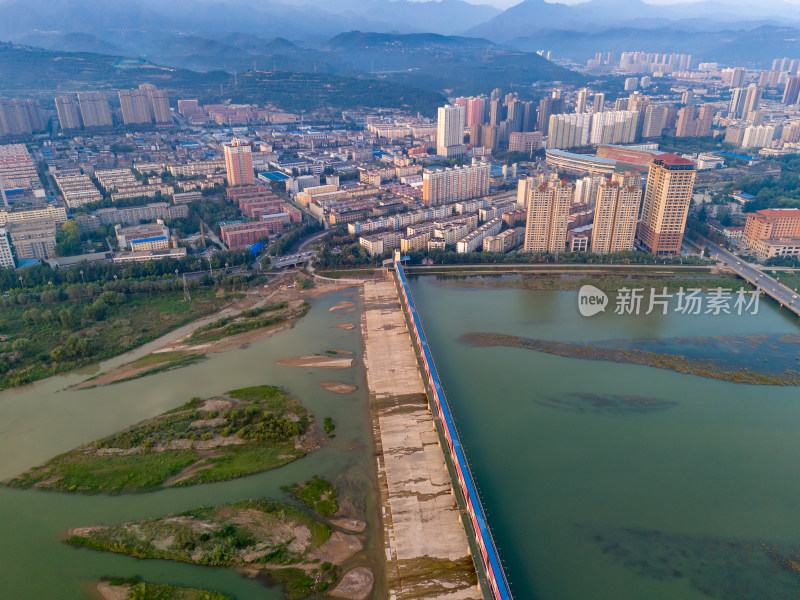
{"points": [[531, 16]]}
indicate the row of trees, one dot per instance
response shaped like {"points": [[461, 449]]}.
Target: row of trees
{"points": [[41, 277]]}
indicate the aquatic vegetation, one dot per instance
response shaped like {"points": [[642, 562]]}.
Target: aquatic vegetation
{"points": [[728, 363]]}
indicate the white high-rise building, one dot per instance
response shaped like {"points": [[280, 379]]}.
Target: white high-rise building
{"points": [[569, 130], [758, 136], [450, 131], [6, 256], [580, 105], [614, 127], [586, 189]]}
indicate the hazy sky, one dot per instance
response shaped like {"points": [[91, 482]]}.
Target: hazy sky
{"points": [[507, 3]]}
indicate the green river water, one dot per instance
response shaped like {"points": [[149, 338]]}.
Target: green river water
{"points": [[695, 495], [42, 420]]}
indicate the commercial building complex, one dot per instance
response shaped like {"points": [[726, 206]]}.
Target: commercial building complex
{"points": [[773, 232]]}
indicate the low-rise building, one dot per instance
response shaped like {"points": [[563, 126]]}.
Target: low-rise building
{"points": [[474, 240], [144, 256], [240, 234], [415, 243], [145, 237]]}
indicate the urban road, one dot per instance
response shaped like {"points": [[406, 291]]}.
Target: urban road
{"points": [[772, 288]]}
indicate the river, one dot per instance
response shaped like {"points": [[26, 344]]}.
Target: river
{"points": [[42, 420], [694, 493]]}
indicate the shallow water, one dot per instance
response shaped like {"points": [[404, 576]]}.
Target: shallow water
{"points": [[566, 469], [43, 420]]}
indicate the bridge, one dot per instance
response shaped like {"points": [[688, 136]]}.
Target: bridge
{"points": [[783, 295]]}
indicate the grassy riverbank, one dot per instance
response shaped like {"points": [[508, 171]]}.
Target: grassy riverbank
{"points": [[259, 536], [42, 340], [240, 433]]}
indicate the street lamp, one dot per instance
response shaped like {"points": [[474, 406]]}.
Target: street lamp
{"points": [[82, 279]]}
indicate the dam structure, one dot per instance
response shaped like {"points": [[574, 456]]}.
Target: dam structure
{"points": [[489, 558]]}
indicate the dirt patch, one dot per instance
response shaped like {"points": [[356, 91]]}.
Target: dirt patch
{"points": [[355, 585], [338, 388], [317, 362], [86, 531], [217, 404], [338, 548], [347, 326], [112, 592], [354, 525]]}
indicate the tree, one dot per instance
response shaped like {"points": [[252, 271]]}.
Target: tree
{"points": [[68, 239]]}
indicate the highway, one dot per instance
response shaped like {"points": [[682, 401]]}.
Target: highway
{"points": [[772, 288]]}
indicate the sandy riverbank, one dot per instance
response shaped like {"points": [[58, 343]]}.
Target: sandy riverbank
{"points": [[272, 293]]}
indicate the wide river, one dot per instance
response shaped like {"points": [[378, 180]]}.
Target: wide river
{"points": [[617, 481], [42, 420]]}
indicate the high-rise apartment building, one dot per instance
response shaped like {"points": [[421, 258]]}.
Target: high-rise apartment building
{"points": [[738, 75], [580, 102], [569, 130], [667, 197], [496, 112], [791, 93], [655, 120], [476, 111], [135, 107], [752, 100], [68, 116], [516, 115], [548, 212], [159, 103], [545, 111], [450, 131], [616, 212], [686, 121], [705, 120], [614, 127], [599, 102], [6, 256], [442, 186], [239, 163], [95, 111]]}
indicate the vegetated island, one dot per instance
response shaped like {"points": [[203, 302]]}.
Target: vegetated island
{"points": [[260, 538], [627, 352], [240, 433], [318, 494], [222, 334], [116, 588]]}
